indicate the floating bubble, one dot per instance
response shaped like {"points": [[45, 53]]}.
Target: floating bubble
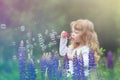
{"points": [[3, 26]]}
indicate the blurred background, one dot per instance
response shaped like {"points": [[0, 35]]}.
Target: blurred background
{"points": [[25, 19]]}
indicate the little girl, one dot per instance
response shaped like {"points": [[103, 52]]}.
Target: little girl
{"points": [[83, 39]]}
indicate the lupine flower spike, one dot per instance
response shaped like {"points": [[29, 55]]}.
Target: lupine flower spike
{"points": [[81, 64], [43, 66], [109, 60], [22, 61], [75, 68], [92, 63], [31, 69], [78, 67], [53, 67], [93, 73]]}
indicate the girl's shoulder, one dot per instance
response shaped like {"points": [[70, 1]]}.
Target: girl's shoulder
{"points": [[83, 48]]}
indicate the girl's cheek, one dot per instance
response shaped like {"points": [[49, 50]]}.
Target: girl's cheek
{"points": [[73, 35]]}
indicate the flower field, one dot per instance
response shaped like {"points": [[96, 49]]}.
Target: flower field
{"points": [[51, 66], [30, 34]]}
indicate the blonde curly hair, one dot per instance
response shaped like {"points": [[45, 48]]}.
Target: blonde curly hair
{"points": [[88, 37]]}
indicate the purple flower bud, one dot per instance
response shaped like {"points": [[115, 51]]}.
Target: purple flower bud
{"points": [[92, 63], [110, 62]]}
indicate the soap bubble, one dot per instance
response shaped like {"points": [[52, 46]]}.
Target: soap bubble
{"points": [[3, 26]]}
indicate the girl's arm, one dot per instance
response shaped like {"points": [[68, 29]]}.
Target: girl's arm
{"points": [[63, 48]]}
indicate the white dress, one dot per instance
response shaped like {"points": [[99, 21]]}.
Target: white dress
{"points": [[84, 50]]}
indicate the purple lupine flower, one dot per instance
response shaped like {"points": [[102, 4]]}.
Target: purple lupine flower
{"points": [[93, 73], [22, 61], [43, 66], [59, 74], [78, 68], [81, 67], [51, 64], [65, 66], [66, 62], [56, 66], [53, 67], [55, 60], [31, 70], [50, 71], [110, 63], [75, 68], [92, 63], [119, 59]]}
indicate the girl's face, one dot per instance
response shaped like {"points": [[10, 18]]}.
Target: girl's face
{"points": [[75, 35]]}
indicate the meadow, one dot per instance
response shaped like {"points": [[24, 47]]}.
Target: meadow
{"points": [[29, 37], [37, 58]]}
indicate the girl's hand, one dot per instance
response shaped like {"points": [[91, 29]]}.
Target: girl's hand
{"points": [[64, 34]]}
